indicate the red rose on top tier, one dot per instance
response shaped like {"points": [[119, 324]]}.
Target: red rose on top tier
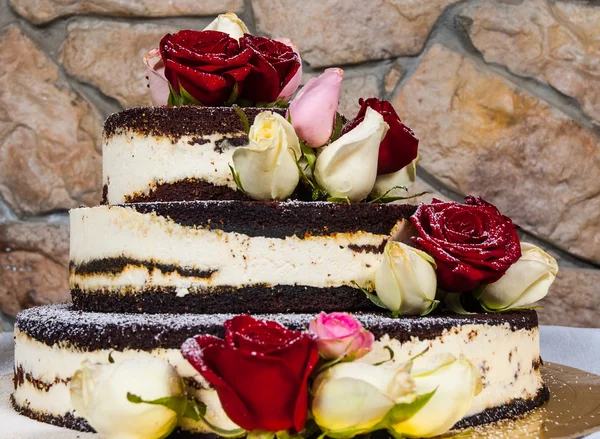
{"points": [[472, 243], [260, 372], [399, 146], [274, 64], [207, 64]]}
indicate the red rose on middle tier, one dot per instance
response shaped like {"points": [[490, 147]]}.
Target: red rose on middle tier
{"points": [[274, 64], [260, 372], [472, 243], [207, 64], [399, 146]]}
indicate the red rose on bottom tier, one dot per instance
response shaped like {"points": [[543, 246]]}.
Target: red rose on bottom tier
{"points": [[472, 243], [260, 372]]}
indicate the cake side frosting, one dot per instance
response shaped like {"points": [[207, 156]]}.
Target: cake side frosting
{"points": [[228, 256], [505, 351], [172, 153]]}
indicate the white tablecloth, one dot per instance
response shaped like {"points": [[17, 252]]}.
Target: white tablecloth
{"points": [[575, 347]]}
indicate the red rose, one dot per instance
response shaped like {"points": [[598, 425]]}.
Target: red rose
{"points": [[207, 64], [260, 372], [399, 146], [274, 64], [472, 243]]}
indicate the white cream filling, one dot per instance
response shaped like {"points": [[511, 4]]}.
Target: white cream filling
{"points": [[111, 231], [503, 356], [46, 363], [133, 163], [486, 346]]}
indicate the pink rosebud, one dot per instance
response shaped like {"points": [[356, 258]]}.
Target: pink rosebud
{"points": [[341, 335], [314, 107], [155, 71], [291, 86]]}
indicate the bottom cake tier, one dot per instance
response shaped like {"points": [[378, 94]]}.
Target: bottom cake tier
{"points": [[52, 341]]}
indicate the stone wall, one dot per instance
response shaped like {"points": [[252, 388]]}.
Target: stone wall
{"points": [[504, 95]]}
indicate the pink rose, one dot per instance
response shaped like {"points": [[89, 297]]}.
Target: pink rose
{"points": [[155, 71], [341, 335], [314, 107], [291, 86]]}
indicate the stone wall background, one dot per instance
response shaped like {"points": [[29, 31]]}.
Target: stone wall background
{"points": [[504, 95]]}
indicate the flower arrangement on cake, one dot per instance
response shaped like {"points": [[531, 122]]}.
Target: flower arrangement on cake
{"points": [[334, 377]]}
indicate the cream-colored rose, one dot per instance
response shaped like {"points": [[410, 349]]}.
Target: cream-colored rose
{"points": [[405, 280], [457, 382], [347, 168], [524, 283], [267, 166], [99, 394], [230, 24], [357, 396], [386, 183]]}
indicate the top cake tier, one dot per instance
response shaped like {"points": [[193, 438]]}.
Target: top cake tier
{"points": [[172, 153]]}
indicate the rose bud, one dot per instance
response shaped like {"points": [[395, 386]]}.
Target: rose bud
{"points": [[351, 398], [99, 394], [314, 107], [405, 280], [230, 24], [260, 372], [347, 168], [399, 147], [456, 382], [274, 66], [341, 335], [472, 243], [385, 183], [524, 283], [267, 167], [155, 71], [206, 64], [291, 86]]}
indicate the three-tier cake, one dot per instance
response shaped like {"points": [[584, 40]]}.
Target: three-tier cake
{"points": [[213, 212]]}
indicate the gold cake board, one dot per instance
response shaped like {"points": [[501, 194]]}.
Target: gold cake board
{"points": [[572, 412]]}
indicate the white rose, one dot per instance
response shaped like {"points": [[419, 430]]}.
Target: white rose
{"points": [[405, 280], [357, 396], [524, 283], [99, 394], [347, 168], [230, 24], [457, 382], [385, 183], [267, 167]]}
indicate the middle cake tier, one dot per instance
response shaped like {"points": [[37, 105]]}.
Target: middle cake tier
{"points": [[229, 256]]}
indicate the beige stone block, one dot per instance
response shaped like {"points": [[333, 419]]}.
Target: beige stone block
{"points": [[48, 133], [479, 134], [333, 32], [43, 11], [554, 42]]}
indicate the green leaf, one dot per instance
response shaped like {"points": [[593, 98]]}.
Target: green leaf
{"points": [[386, 200], [187, 98], [234, 95], [339, 200], [393, 433], [403, 411], [309, 154], [236, 179], [260, 434], [175, 403], [285, 434], [111, 360], [432, 307], [509, 309], [391, 351], [337, 128], [174, 99], [372, 297], [453, 303], [376, 199], [243, 118]]}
